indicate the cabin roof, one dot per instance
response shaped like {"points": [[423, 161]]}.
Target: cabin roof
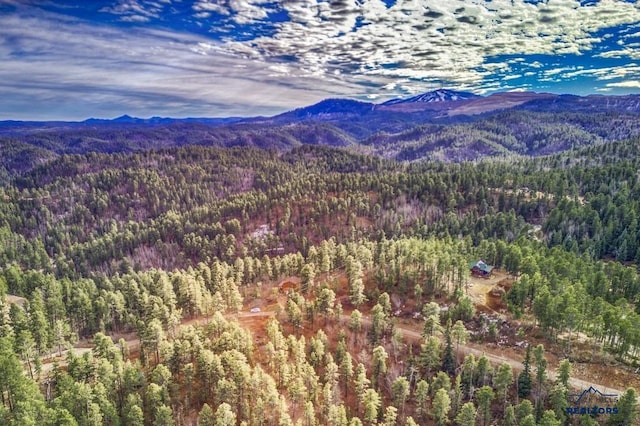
{"points": [[480, 264]]}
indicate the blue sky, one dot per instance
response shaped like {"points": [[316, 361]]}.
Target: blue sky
{"points": [[77, 59]]}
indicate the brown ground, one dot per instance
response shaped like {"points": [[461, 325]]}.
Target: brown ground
{"points": [[506, 345], [16, 299], [603, 369]]}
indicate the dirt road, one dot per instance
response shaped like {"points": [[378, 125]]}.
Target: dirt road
{"points": [[408, 332], [496, 359]]}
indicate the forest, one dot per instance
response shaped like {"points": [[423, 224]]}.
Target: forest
{"points": [[317, 285]]}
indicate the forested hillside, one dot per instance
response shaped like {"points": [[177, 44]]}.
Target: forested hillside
{"points": [[501, 125], [318, 286]]}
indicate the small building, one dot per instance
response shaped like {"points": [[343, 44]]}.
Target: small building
{"points": [[480, 269]]}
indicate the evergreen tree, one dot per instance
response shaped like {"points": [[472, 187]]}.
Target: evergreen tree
{"points": [[422, 397], [564, 372], [467, 415], [380, 357], [449, 358], [559, 401], [206, 416], [400, 392], [503, 380], [509, 418], [390, 416], [371, 402], [548, 418], [627, 409], [225, 416], [524, 378], [460, 334], [307, 274], [441, 406], [430, 354]]}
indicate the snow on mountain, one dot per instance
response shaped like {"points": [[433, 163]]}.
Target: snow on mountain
{"points": [[440, 95]]}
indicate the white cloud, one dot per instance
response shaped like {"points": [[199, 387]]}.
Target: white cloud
{"points": [[555, 71], [633, 84], [135, 10], [446, 43], [110, 71], [627, 52], [208, 6], [512, 77], [241, 11]]}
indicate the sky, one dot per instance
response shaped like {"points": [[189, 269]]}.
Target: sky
{"points": [[71, 60]]}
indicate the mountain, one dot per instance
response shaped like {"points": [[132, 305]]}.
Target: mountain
{"points": [[440, 95], [498, 101], [328, 109], [585, 104], [127, 119], [443, 125]]}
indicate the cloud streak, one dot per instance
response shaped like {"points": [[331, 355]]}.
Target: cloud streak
{"points": [[139, 71]]}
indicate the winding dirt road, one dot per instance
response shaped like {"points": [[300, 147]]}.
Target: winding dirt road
{"points": [[578, 384]]}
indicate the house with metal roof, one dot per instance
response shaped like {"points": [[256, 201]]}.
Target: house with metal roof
{"points": [[480, 269]]}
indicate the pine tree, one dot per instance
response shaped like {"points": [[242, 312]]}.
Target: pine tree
{"points": [[307, 274], [441, 406], [503, 380], [484, 396], [371, 403], [564, 372], [627, 409], [400, 392], [380, 357], [509, 418], [483, 370], [528, 420], [523, 409], [422, 397], [346, 371], [206, 416], [430, 357], [548, 418], [467, 415], [390, 416], [449, 359], [467, 375], [541, 375], [524, 378], [410, 422], [460, 334], [356, 285], [558, 400], [361, 383]]}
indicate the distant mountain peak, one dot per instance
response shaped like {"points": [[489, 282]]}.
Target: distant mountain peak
{"points": [[440, 95], [331, 107]]}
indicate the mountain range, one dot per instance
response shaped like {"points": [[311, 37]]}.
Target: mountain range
{"points": [[443, 125]]}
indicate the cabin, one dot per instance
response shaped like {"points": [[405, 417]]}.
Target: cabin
{"points": [[480, 269]]}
